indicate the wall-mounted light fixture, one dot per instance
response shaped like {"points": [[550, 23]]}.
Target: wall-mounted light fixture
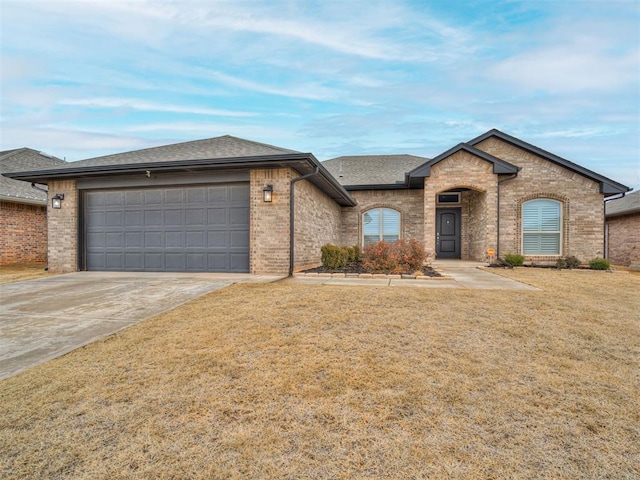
{"points": [[56, 200], [267, 193]]}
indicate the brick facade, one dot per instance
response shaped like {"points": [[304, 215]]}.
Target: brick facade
{"points": [[63, 228], [408, 202], [478, 204], [623, 234], [23, 230], [582, 203], [317, 222], [269, 227]]}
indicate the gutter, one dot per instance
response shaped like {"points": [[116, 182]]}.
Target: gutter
{"points": [[36, 187], [292, 215], [498, 211]]}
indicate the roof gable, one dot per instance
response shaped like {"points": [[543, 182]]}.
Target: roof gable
{"points": [[499, 166], [607, 186]]}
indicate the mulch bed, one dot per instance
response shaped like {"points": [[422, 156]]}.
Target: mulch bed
{"points": [[356, 267]]}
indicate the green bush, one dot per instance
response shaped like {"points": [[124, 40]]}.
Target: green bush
{"points": [[333, 256], [514, 259], [397, 257], [599, 264], [357, 253], [570, 261]]}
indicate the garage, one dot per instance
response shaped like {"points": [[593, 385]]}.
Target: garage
{"points": [[199, 228]]}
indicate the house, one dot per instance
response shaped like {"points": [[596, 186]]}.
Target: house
{"points": [[623, 230], [228, 204], [23, 208]]}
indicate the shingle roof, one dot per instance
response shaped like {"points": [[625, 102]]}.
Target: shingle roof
{"points": [[20, 159], [210, 148], [630, 203], [353, 170]]}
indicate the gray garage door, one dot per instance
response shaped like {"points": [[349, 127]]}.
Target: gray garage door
{"points": [[185, 229]]}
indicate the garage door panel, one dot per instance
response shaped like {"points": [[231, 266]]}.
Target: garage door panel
{"points": [[173, 197], [174, 240], [195, 216], [195, 239], [133, 239], [217, 194], [201, 228], [173, 218], [238, 262], [114, 261], [239, 216]]}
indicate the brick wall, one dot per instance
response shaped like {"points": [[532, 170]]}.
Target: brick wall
{"points": [[624, 239], [269, 228], [583, 208], [408, 202], [63, 228], [23, 233], [463, 170], [317, 222]]}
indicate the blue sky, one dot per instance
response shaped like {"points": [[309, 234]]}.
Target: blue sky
{"points": [[88, 78]]}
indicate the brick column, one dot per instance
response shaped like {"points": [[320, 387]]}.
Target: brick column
{"points": [[63, 228]]}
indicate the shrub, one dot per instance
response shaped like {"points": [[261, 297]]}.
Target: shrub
{"points": [[353, 253], [570, 261], [333, 256], [397, 257], [514, 259], [599, 264]]}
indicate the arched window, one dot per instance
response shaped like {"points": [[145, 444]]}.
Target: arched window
{"points": [[380, 224], [541, 227]]}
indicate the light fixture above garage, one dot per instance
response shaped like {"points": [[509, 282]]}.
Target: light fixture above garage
{"points": [[56, 200], [267, 194]]}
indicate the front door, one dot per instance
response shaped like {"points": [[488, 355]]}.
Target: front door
{"points": [[447, 233]]}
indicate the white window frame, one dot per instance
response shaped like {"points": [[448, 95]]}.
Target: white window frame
{"points": [[540, 232], [381, 232]]}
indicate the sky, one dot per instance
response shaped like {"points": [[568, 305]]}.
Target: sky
{"points": [[81, 79]]}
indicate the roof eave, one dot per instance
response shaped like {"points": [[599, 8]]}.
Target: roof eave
{"points": [[301, 162], [28, 201]]}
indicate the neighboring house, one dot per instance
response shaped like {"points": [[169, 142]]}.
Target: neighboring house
{"points": [[23, 209], [227, 204], [623, 230]]}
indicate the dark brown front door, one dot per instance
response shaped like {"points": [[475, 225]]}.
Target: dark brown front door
{"points": [[447, 233]]}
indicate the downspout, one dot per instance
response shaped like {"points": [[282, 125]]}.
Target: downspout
{"points": [[498, 212], [35, 187], [605, 254], [292, 215]]}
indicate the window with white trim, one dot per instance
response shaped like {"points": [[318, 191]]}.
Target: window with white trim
{"points": [[541, 227], [380, 224]]}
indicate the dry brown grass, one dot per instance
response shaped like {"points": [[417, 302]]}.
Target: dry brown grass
{"points": [[299, 381], [22, 271]]}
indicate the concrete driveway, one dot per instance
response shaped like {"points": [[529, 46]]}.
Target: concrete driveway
{"points": [[45, 318]]}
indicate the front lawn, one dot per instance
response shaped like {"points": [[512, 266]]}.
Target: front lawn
{"points": [[315, 381]]}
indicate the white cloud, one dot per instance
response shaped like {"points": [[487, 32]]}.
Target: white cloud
{"points": [[134, 104]]}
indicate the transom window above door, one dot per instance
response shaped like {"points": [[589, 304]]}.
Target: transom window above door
{"points": [[380, 224]]}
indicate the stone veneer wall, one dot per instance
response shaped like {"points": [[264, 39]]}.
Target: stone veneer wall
{"points": [[408, 202], [463, 170], [583, 208], [269, 224], [624, 239], [317, 222], [63, 228], [23, 233]]}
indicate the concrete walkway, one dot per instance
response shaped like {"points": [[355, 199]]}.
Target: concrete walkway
{"points": [[45, 318], [457, 274]]}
